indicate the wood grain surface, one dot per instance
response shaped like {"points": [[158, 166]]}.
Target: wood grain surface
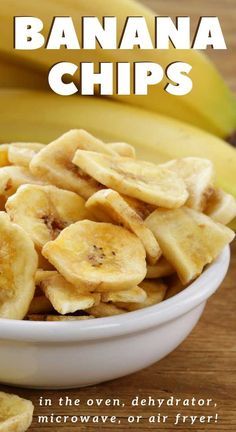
{"points": [[204, 366]]}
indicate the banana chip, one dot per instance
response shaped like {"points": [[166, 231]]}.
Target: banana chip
{"points": [[98, 256], [64, 297], [41, 275], [16, 414], [69, 318], [11, 177], [221, 207], [189, 240], [18, 264], [161, 269], [133, 295], [44, 211], [54, 162], [142, 180], [59, 318], [123, 149], [198, 175], [109, 206], [103, 310], [22, 153], [142, 209], [155, 293]]}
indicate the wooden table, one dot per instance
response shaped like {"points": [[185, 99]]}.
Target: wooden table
{"points": [[204, 366]]}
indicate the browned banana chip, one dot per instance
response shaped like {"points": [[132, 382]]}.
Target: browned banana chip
{"points": [[98, 256], [54, 162]]}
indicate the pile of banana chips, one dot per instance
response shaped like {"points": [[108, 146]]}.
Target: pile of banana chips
{"points": [[88, 231]]}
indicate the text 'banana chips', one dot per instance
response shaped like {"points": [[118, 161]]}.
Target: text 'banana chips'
{"points": [[89, 231]]}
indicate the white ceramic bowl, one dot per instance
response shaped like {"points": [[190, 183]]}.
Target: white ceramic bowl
{"points": [[82, 353]]}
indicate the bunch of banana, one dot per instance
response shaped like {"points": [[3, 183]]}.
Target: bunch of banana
{"points": [[41, 116], [19, 75], [209, 105]]}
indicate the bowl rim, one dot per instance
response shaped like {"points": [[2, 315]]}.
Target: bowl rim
{"points": [[132, 322]]}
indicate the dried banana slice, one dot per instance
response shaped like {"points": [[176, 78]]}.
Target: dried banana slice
{"points": [[69, 318], [16, 414], [44, 211], [123, 149], [142, 180], [18, 265], [221, 207], [161, 269], [54, 162], [4, 161], [21, 154], [174, 287], [103, 310], [41, 275], [143, 209], [98, 256], [198, 175], [189, 240], [109, 206], [133, 295], [155, 293], [36, 317], [64, 297], [11, 177]]}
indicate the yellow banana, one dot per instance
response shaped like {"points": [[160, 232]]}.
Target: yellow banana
{"points": [[209, 105], [41, 117], [15, 75]]}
